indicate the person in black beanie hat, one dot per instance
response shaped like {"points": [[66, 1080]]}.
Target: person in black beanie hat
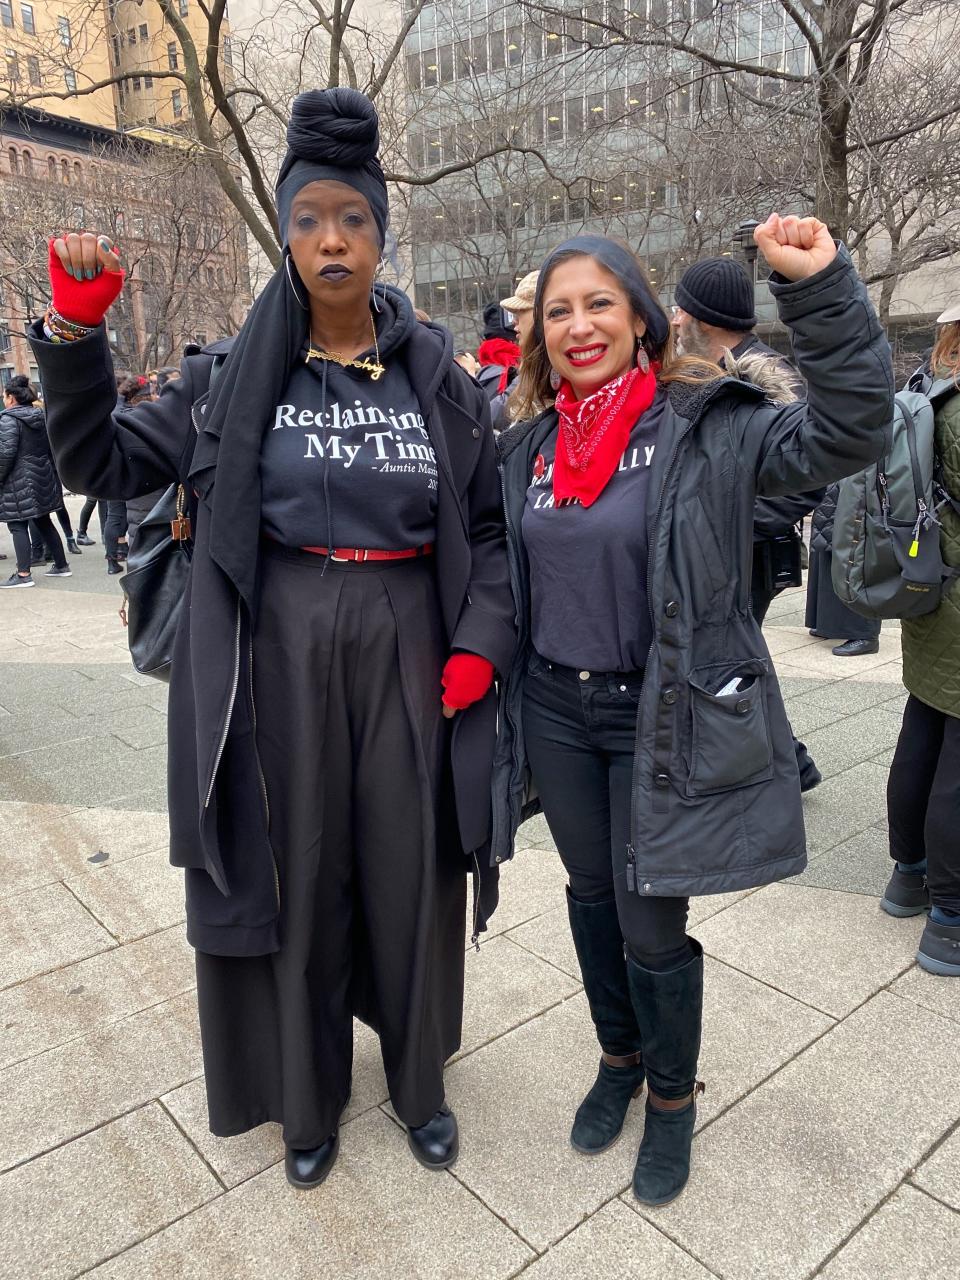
{"points": [[348, 597]]}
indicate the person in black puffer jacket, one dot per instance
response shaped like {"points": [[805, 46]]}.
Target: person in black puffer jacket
{"points": [[826, 615], [29, 485]]}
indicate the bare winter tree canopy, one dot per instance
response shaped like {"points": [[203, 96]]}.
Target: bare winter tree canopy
{"points": [[689, 116]]}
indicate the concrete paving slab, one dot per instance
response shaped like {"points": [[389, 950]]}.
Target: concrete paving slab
{"points": [[749, 1031], [794, 681], [910, 1237], [859, 865], [506, 986], [794, 1169], [807, 717], [515, 1154], [616, 1242], [536, 832], [97, 1078], [549, 937], [939, 995], [40, 843], [531, 883], [818, 658], [98, 1195], [56, 1007], [852, 696], [135, 897], [939, 1175], [712, 904], [378, 1214], [239, 1158], [92, 772], [137, 727], [852, 739], [844, 805], [770, 935], [45, 929]]}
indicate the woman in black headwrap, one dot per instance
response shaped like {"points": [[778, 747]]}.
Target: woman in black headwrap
{"points": [[348, 558], [642, 699]]}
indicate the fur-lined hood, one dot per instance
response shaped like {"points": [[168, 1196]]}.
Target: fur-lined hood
{"points": [[775, 378]]}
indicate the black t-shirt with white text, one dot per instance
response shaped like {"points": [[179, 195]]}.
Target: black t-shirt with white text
{"points": [[588, 565], [380, 490]]}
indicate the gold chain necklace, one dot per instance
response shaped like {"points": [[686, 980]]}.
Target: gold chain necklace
{"points": [[375, 369]]}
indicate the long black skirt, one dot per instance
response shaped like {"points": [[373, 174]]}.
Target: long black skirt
{"points": [[826, 612], [352, 744]]}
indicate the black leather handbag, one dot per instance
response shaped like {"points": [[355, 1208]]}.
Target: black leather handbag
{"points": [[155, 583]]}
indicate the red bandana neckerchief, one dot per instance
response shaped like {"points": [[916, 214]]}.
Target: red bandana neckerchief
{"points": [[594, 433]]}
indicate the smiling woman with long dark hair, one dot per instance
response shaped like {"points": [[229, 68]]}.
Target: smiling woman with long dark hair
{"points": [[642, 699], [348, 573]]}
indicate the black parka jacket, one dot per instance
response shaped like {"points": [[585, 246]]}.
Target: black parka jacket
{"points": [[716, 793], [129, 452], [29, 486]]}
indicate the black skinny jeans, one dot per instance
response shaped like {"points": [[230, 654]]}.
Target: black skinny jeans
{"points": [[20, 533], [115, 527], [923, 799], [86, 512], [580, 733]]}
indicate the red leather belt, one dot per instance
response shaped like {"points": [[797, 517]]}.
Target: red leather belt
{"points": [[360, 554]]}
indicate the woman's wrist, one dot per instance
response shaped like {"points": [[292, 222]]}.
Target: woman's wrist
{"points": [[57, 328]]}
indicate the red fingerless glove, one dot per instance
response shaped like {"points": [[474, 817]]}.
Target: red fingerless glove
{"points": [[466, 678], [84, 302]]}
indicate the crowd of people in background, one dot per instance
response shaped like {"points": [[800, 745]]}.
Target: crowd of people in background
{"points": [[31, 493]]}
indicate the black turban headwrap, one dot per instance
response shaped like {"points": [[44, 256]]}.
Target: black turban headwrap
{"points": [[621, 263], [333, 136]]}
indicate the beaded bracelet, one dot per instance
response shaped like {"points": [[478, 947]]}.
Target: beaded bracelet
{"points": [[60, 322]]}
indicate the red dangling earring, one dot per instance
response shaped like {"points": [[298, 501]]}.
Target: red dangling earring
{"points": [[643, 360]]}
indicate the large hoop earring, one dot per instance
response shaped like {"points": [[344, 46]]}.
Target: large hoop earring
{"points": [[376, 305], [303, 306]]}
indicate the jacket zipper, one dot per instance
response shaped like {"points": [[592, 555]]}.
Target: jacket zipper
{"points": [[263, 781], [635, 790], [475, 939], [233, 697], [515, 587]]}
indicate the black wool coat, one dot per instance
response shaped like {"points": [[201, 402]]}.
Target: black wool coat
{"points": [[29, 486], [126, 453]]}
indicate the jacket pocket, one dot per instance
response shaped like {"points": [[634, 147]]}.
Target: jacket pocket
{"points": [[730, 743]]}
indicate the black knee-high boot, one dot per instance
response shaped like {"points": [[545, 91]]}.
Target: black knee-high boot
{"points": [[669, 1009], [599, 942]]}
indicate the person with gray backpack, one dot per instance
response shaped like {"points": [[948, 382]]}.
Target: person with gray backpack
{"points": [[923, 791]]}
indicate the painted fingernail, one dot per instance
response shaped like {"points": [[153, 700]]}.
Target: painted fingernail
{"points": [[89, 273], [104, 244], [71, 272]]}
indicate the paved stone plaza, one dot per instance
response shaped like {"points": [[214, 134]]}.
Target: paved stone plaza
{"points": [[829, 1135]]}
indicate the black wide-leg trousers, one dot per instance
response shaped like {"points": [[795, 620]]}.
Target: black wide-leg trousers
{"points": [[346, 685]]}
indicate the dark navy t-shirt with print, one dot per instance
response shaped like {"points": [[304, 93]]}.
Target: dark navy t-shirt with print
{"points": [[588, 565], [371, 440]]}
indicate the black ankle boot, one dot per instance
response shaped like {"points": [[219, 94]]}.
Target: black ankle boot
{"points": [[599, 943], [669, 1009], [436, 1144], [307, 1169]]}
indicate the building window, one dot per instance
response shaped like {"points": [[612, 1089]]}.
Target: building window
{"points": [[115, 41], [51, 169], [64, 173], [131, 35], [63, 26], [26, 16], [136, 84], [227, 51], [13, 65], [144, 31], [6, 13], [184, 8], [14, 166], [26, 164], [148, 82], [176, 99], [33, 70], [173, 57], [70, 80]]}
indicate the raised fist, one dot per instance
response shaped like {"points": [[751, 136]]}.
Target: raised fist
{"points": [[795, 247], [85, 276]]}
